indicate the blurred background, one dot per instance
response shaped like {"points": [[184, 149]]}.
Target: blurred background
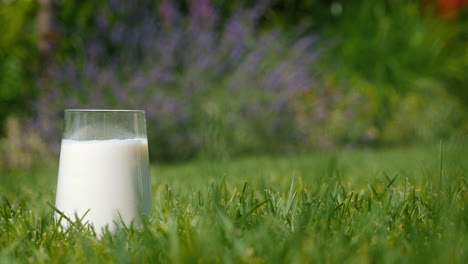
{"points": [[221, 79]]}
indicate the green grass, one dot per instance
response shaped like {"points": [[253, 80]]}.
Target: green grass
{"points": [[386, 206]]}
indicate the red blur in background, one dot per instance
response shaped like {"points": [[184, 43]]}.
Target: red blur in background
{"points": [[450, 8]]}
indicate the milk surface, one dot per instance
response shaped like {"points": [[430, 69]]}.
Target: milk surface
{"points": [[108, 177]]}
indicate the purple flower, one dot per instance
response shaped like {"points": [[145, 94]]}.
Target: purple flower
{"points": [[167, 12], [171, 65], [101, 22], [201, 10], [139, 82], [118, 34]]}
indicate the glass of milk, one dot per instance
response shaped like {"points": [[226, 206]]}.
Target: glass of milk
{"points": [[104, 174]]}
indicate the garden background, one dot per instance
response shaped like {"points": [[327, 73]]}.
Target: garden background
{"points": [[220, 79]]}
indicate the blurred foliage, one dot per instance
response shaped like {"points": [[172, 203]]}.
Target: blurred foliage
{"points": [[222, 78], [395, 53], [17, 56]]}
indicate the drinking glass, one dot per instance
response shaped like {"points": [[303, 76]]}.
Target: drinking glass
{"points": [[104, 176]]}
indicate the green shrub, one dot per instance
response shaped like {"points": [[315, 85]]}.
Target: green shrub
{"points": [[408, 65], [17, 56], [426, 116]]}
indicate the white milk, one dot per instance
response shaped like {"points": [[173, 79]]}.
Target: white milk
{"points": [[108, 177]]}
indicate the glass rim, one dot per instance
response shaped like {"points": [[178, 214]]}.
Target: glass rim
{"points": [[105, 110]]}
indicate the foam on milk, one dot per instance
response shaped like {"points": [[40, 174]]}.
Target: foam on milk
{"points": [[108, 177]]}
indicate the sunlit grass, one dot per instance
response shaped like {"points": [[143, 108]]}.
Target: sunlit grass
{"points": [[388, 206]]}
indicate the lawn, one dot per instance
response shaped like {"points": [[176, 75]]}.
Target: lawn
{"points": [[405, 205]]}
